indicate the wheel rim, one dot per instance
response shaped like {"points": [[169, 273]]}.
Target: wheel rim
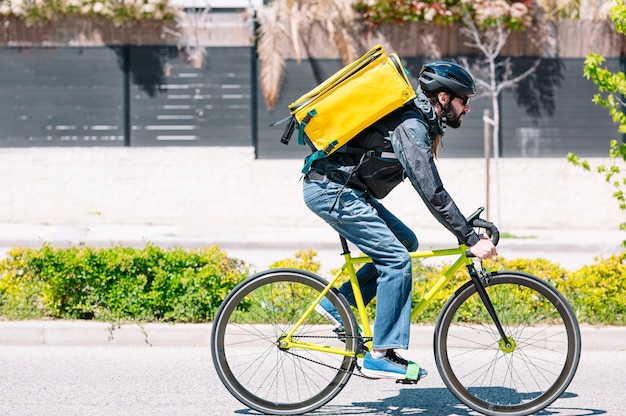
{"points": [[254, 367], [524, 377]]}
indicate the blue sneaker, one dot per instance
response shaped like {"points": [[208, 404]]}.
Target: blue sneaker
{"points": [[328, 311], [392, 366]]}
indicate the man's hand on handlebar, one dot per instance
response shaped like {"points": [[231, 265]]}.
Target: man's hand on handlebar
{"points": [[484, 248]]}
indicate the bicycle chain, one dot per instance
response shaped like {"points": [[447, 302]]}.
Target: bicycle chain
{"points": [[359, 374], [366, 339]]}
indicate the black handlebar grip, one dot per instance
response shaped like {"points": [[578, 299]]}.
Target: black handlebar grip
{"points": [[477, 222], [492, 230]]}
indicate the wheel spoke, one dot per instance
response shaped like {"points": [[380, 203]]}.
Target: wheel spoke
{"points": [[491, 378], [251, 363]]}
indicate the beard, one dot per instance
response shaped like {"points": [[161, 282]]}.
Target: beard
{"points": [[453, 119]]}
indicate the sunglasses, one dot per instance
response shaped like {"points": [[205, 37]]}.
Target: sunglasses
{"points": [[464, 100]]}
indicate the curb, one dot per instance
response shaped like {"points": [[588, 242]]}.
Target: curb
{"points": [[90, 333]]}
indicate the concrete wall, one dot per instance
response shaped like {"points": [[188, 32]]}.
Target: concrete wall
{"points": [[222, 188]]}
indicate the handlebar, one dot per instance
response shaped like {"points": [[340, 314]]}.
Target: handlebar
{"points": [[491, 230]]}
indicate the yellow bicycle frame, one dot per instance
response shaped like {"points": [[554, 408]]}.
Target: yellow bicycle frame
{"points": [[287, 341]]}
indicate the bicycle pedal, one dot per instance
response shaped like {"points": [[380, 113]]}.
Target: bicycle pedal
{"points": [[406, 381]]}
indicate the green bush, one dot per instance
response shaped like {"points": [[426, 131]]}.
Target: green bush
{"points": [[554, 274], [593, 291], [597, 291], [424, 277], [117, 283], [119, 12], [304, 259], [152, 284]]}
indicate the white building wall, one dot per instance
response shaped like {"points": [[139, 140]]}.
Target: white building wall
{"points": [[221, 188]]}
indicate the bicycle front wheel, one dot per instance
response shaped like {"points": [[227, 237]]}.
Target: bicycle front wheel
{"points": [[252, 362], [518, 377]]}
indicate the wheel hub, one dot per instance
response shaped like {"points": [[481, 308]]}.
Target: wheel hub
{"points": [[507, 346]]}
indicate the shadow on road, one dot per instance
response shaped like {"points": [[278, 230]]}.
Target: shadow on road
{"points": [[430, 402]]}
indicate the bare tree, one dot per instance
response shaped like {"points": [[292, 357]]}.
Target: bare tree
{"points": [[488, 32]]}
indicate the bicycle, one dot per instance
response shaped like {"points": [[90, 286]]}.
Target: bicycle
{"points": [[505, 343]]}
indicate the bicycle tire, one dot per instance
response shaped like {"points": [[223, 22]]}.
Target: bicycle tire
{"points": [[485, 374], [245, 336]]}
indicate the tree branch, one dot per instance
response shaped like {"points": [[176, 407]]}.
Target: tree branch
{"points": [[510, 82]]}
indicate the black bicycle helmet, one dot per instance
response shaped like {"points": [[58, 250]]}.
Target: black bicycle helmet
{"points": [[446, 76]]}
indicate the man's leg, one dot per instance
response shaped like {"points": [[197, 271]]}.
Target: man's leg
{"points": [[355, 217], [367, 274]]}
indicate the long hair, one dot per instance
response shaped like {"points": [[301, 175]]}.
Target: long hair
{"points": [[436, 142], [434, 146]]}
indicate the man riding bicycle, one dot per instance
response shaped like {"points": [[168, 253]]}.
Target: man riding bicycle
{"points": [[344, 190]]}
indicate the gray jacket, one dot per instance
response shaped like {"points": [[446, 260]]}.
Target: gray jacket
{"points": [[411, 142], [407, 132]]}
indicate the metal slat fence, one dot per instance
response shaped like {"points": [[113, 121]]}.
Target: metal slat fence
{"points": [[152, 96], [126, 95]]}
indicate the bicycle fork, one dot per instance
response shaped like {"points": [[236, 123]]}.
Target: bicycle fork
{"points": [[507, 344]]}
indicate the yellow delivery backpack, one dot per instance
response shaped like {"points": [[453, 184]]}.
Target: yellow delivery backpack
{"points": [[351, 100]]}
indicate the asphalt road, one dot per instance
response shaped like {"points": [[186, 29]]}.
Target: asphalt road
{"points": [[143, 380]]}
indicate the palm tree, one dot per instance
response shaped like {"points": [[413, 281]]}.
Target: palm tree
{"points": [[287, 28]]}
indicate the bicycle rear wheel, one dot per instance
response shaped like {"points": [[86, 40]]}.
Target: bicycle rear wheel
{"points": [[245, 343], [485, 374]]}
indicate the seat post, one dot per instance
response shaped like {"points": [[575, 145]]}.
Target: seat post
{"points": [[344, 245]]}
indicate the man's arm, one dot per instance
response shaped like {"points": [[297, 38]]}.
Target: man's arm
{"points": [[412, 146]]}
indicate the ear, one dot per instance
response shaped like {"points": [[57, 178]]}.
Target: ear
{"points": [[443, 98]]}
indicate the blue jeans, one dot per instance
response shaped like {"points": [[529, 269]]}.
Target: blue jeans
{"points": [[365, 222]]}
